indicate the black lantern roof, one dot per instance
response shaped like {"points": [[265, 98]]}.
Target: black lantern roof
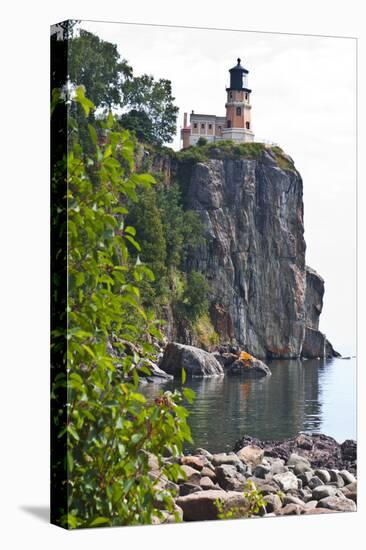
{"points": [[236, 77]]}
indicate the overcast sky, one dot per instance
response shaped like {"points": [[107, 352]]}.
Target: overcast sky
{"points": [[303, 99]]}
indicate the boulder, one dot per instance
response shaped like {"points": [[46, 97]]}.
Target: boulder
{"points": [[206, 483], [286, 481], [347, 477], [229, 478], [207, 472], [224, 458], [298, 463], [194, 462], [324, 491], [323, 475], [251, 454], [249, 366], [338, 504], [191, 475], [291, 510], [195, 361], [201, 506], [203, 452], [273, 503], [315, 481], [189, 488]]}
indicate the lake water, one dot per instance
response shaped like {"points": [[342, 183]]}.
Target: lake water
{"points": [[300, 396]]}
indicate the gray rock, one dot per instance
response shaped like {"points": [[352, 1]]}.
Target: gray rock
{"points": [[315, 482], [195, 462], [338, 504], [250, 367], [286, 481], [324, 475], [291, 510], [324, 491], [289, 499], [262, 471], [251, 454], [196, 362], [273, 503], [306, 477], [347, 477], [229, 478], [278, 466], [306, 495], [224, 458]]}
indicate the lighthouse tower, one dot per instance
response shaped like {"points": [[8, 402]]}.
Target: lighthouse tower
{"points": [[238, 107], [235, 125]]}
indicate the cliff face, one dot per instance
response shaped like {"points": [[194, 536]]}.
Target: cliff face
{"points": [[262, 297]]}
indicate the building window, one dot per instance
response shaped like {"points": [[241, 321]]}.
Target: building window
{"points": [[238, 111], [219, 127], [210, 126], [202, 125], [195, 125], [229, 123], [247, 125]]}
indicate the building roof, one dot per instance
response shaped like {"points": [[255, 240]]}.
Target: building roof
{"points": [[239, 67]]}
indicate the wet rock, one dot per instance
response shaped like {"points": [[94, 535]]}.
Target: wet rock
{"points": [[286, 481], [251, 454], [338, 504], [249, 367], [195, 361]]}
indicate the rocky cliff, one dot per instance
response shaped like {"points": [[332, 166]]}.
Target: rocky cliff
{"points": [[263, 298]]}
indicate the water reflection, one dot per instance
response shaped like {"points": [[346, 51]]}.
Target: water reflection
{"points": [[308, 396]]}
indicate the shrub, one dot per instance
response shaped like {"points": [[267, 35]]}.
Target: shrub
{"points": [[110, 429], [254, 504]]}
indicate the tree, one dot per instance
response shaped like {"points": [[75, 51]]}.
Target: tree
{"points": [[96, 64], [110, 430], [195, 299], [154, 98], [140, 124]]}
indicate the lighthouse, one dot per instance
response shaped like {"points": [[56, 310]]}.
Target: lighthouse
{"points": [[235, 125]]}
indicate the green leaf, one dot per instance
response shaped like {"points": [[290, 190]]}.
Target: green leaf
{"points": [[99, 521], [184, 375]]}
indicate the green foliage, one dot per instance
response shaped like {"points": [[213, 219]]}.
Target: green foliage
{"points": [[204, 332], [201, 141], [140, 124], [154, 98], [96, 64], [195, 297], [111, 430], [283, 160], [254, 504]]}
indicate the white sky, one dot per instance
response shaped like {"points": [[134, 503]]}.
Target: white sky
{"points": [[304, 99]]}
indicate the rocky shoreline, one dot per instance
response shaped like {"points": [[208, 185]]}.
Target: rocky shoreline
{"points": [[307, 474]]}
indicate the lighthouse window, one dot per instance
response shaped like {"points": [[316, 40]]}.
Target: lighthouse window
{"points": [[247, 124], [246, 96], [238, 111], [231, 95]]}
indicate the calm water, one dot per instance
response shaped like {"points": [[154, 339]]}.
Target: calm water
{"points": [[308, 396]]}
